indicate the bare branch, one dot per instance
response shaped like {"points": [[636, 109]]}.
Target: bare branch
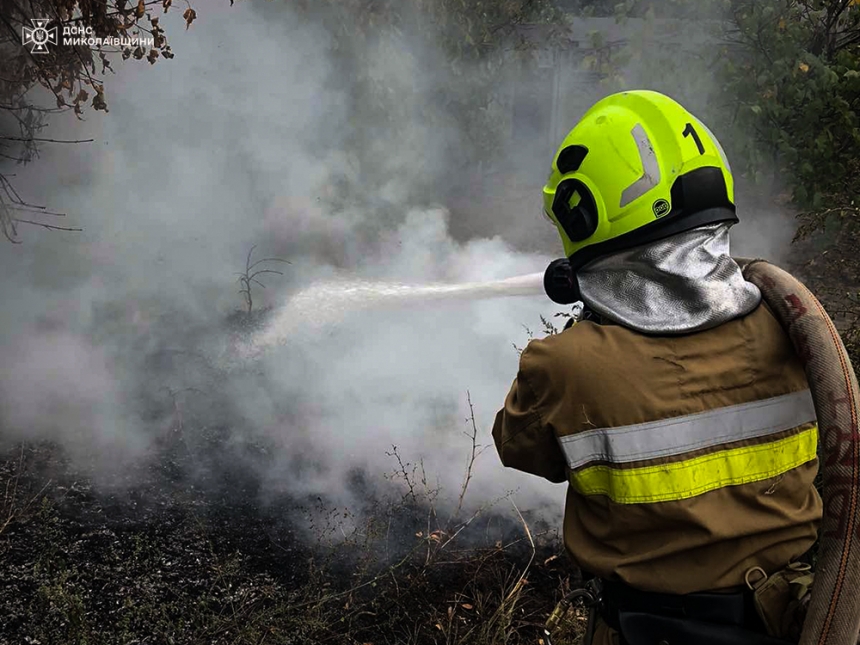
{"points": [[24, 106], [269, 260], [247, 277], [472, 456], [248, 261], [31, 139], [48, 226], [251, 277]]}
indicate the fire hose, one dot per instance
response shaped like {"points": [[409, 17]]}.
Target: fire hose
{"points": [[833, 614]]}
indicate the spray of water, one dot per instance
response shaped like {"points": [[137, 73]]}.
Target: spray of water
{"points": [[329, 302]]}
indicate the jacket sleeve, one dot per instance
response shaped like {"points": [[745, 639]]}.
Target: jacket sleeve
{"points": [[522, 439]]}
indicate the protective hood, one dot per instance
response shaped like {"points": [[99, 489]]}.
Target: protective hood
{"points": [[684, 283]]}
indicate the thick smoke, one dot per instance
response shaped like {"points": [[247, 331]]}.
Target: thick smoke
{"points": [[116, 336]]}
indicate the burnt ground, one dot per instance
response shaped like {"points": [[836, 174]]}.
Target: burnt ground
{"points": [[191, 562]]}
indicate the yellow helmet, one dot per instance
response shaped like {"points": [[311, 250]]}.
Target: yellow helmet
{"points": [[636, 168]]}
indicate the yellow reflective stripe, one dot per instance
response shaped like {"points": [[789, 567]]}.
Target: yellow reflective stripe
{"points": [[692, 477]]}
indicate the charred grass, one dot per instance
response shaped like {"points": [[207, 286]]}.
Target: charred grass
{"points": [[168, 562]]}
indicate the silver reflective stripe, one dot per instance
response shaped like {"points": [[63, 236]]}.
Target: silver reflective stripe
{"points": [[679, 435], [650, 168]]}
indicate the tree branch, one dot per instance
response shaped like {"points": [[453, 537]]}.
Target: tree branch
{"points": [[30, 139], [48, 226]]}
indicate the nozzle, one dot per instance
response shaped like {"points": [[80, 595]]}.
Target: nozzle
{"points": [[559, 282]]}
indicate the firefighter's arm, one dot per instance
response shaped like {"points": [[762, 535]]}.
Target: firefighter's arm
{"points": [[522, 438]]}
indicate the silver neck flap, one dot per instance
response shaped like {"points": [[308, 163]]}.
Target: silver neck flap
{"points": [[685, 283]]}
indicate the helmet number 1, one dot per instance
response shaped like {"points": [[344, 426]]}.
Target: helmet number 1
{"points": [[690, 132]]}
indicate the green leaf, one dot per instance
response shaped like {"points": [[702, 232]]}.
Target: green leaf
{"points": [[800, 194]]}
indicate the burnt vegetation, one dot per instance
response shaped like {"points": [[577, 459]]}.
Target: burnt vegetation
{"points": [[187, 559]]}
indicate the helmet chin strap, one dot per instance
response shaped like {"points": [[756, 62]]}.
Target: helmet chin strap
{"points": [[559, 282]]}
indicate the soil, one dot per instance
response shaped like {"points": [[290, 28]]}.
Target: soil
{"points": [[178, 562]]}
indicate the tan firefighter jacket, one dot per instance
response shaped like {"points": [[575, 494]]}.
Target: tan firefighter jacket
{"points": [[689, 458]]}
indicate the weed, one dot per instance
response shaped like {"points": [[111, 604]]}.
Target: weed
{"points": [[250, 276]]}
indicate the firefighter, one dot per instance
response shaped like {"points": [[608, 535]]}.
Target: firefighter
{"points": [[679, 415]]}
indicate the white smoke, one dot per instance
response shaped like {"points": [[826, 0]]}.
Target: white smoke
{"points": [[240, 141]]}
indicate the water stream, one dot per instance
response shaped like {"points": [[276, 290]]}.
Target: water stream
{"points": [[328, 302]]}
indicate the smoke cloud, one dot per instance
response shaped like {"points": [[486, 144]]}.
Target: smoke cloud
{"points": [[114, 337]]}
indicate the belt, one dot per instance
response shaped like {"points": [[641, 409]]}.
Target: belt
{"points": [[723, 608]]}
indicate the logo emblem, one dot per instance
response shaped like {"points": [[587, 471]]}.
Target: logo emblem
{"points": [[39, 36], [661, 207]]}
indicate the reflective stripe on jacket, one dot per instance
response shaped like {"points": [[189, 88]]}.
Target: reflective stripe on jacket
{"points": [[690, 458]]}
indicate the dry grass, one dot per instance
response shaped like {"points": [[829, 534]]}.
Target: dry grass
{"points": [[81, 568]]}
